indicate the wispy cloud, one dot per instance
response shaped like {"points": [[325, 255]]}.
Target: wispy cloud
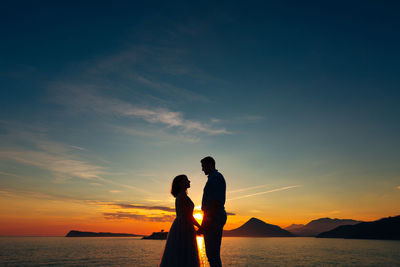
{"points": [[137, 206], [79, 148], [163, 87], [248, 188], [6, 193], [96, 184], [147, 207], [59, 158], [150, 77], [147, 64], [255, 211], [64, 165], [267, 192], [110, 181], [11, 174], [139, 217], [158, 136], [87, 100], [40, 195], [54, 163]]}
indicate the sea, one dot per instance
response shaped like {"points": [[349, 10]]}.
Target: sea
{"points": [[235, 251]]}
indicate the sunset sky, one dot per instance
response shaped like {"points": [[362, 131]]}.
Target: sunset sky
{"points": [[102, 103]]}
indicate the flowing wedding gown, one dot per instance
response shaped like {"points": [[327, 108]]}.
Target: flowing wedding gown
{"points": [[181, 246]]}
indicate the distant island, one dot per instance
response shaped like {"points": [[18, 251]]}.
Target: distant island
{"points": [[385, 228], [157, 235], [318, 226], [74, 233], [257, 228]]}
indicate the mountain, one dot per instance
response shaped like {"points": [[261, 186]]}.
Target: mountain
{"points": [[315, 227], [74, 233], [257, 228], [293, 227], [385, 228]]}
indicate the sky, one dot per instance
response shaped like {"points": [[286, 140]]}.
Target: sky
{"points": [[103, 103]]}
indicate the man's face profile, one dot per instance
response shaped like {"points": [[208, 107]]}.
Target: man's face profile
{"points": [[206, 168]]}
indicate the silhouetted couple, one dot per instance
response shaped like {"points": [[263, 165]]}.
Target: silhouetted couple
{"points": [[181, 246]]}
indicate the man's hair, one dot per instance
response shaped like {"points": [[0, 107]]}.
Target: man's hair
{"points": [[208, 160]]}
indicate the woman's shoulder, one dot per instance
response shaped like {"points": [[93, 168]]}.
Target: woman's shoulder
{"points": [[183, 197]]}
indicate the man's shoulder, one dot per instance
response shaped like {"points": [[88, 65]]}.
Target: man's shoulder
{"points": [[217, 177], [215, 173], [219, 174]]}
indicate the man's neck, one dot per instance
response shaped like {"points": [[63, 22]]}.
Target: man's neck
{"points": [[211, 172]]}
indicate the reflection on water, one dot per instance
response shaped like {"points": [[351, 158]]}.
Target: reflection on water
{"points": [[235, 251], [202, 251]]}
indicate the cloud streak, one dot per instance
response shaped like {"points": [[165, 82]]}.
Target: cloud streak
{"points": [[137, 206], [55, 157], [139, 217], [40, 195], [145, 207], [266, 192], [86, 100], [63, 165], [171, 89], [54, 163], [146, 65], [248, 188]]}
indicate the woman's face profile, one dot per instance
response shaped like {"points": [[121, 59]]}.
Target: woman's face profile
{"points": [[185, 183]]}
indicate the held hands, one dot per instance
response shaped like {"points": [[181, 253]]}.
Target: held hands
{"points": [[204, 225], [200, 231]]}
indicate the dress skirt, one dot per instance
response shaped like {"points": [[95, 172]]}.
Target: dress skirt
{"points": [[181, 246]]}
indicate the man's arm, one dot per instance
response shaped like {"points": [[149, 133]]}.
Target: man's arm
{"points": [[209, 215], [215, 189], [213, 209]]}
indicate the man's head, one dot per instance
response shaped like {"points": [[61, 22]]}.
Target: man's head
{"points": [[207, 165]]}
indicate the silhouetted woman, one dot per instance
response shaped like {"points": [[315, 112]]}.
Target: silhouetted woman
{"points": [[181, 246]]}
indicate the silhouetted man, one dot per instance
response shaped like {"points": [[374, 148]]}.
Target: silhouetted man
{"points": [[214, 211]]}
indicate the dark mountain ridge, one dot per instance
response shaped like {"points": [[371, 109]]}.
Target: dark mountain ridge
{"points": [[257, 228], [385, 228], [318, 226], [294, 226]]}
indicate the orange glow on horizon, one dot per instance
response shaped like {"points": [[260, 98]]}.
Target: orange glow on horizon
{"points": [[27, 215]]}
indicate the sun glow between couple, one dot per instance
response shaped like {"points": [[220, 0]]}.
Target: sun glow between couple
{"points": [[198, 215]]}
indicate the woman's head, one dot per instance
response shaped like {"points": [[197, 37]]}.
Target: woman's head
{"points": [[179, 184]]}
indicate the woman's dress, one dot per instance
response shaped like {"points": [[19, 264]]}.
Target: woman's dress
{"points": [[181, 246]]}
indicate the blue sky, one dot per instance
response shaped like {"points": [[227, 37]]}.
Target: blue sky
{"points": [[106, 101]]}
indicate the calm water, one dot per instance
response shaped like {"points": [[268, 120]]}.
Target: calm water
{"points": [[45, 251]]}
